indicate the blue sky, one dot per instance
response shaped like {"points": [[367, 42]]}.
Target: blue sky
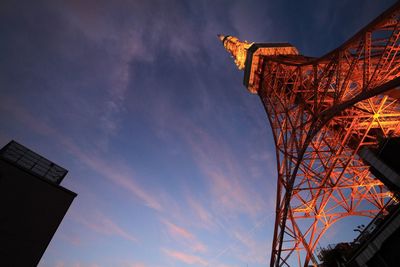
{"points": [[172, 159]]}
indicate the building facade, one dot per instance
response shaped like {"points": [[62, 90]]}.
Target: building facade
{"points": [[32, 204]]}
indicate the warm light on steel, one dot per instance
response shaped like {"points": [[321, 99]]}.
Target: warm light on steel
{"points": [[240, 50], [236, 48], [322, 112]]}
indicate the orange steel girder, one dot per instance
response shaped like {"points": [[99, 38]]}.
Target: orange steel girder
{"points": [[322, 111]]}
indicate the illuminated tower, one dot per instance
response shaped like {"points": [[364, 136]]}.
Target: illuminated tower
{"points": [[323, 112]]}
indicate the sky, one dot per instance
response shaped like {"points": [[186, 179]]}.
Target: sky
{"points": [[171, 157]]}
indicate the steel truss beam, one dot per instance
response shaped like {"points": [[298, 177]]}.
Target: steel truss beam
{"points": [[322, 111]]}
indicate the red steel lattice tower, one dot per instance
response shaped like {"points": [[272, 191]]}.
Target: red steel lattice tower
{"points": [[323, 111]]}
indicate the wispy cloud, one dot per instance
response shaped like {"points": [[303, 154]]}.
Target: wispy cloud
{"points": [[60, 264], [100, 223], [12, 107], [71, 238], [124, 44], [226, 177], [80, 264], [177, 231], [246, 244], [230, 190], [185, 257], [183, 235], [251, 250], [120, 174], [203, 216], [71, 263], [117, 172], [134, 264]]}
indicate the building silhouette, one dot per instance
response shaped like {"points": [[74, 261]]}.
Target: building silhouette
{"points": [[32, 204]]}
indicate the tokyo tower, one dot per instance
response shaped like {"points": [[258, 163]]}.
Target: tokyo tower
{"points": [[323, 112]]}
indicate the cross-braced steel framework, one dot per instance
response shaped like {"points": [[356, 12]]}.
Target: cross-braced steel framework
{"points": [[322, 112]]}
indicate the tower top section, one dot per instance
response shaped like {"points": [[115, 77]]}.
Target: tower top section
{"points": [[247, 56], [236, 48]]}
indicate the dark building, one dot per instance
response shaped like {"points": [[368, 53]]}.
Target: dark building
{"points": [[32, 204], [385, 162], [379, 242]]}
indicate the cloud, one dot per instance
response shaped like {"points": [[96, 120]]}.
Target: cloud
{"points": [[203, 217], [231, 193], [183, 235], [227, 177], [60, 264], [246, 244], [10, 106], [100, 223], [251, 250], [80, 264], [185, 257], [134, 264], [110, 48], [71, 238], [177, 231], [118, 172]]}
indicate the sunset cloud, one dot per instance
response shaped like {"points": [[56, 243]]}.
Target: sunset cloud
{"points": [[232, 193], [134, 264], [185, 257], [100, 223], [119, 173], [203, 217], [250, 249], [72, 238], [183, 235]]}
